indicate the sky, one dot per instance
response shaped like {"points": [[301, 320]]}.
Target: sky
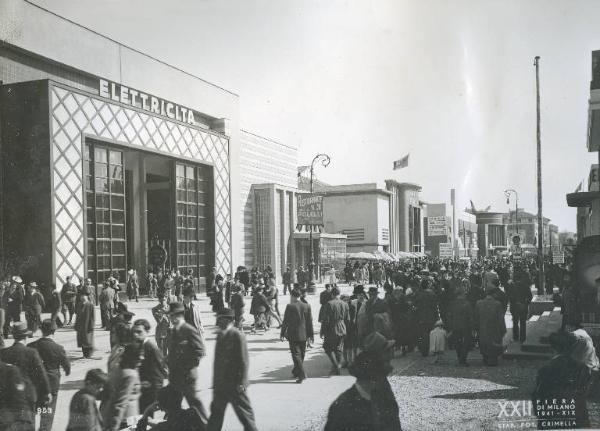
{"points": [[451, 83]]}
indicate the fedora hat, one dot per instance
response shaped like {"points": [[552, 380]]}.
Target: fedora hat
{"points": [[17, 279], [19, 329], [176, 308], [377, 343], [33, 284]]}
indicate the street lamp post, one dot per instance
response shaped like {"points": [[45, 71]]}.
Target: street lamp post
{"points": [[325, 160], [508, 192]]}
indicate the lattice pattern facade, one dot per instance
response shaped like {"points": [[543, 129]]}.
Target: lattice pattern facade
{"points": [[74, 115]]}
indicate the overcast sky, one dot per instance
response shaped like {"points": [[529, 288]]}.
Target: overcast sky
{"points": [[451, 82]]}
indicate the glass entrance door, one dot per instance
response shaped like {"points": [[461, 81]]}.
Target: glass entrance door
{"points": [[105, 204], [193, 224]]}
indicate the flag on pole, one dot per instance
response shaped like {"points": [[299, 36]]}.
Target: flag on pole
{"points": [[579, 187], [401, 163]]}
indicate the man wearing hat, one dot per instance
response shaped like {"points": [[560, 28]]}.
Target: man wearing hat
{"points": [[558, 383], [14, 302], [335, 319], [491, 327], [370, 403], [14, 407], [192, 311], [37, 386], [33, 307], [186, 349], [230, 376], [68, 294], [298, 329], [121, 319], [53, 357], [83, 410], [84, 325]]}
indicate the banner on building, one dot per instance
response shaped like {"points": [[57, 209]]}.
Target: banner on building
{"points": [[558, 256], [310, 210], [437, 226], [446, 250]]}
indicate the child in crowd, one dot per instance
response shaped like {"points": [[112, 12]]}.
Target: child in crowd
{"points": [[437, 341]]}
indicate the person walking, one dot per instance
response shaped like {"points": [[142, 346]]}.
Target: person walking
{"points": [[83, 410], [68, 294], [55, 306], [152, 369], [287, 280], [33, 307], [133, 286], [160, 313], [426, 314], [15, 412], [123, 400], [237, 305], [369, 405], [37, 385], [14, 303], [84, 325], [336, 317], [186, 349], [297, 328], [230, 376], [519, 298], [192, 311], [489, 318], [107, 303], [54, 358], [460, 326]]}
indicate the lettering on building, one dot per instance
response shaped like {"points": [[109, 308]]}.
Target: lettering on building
{"points": [[153, 104]]}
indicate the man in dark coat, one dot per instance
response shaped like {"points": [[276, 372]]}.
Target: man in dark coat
{"points": [[519, 297], [68, 294], [230, 377], [460, 325], [489, 318], [186, 349], [37, 386], [55, 306], [84, 325], [559, 399], [324, 298], [335, 320], [34, 306], [13, 298], [287, 280], [53, 357], [369, 405], [426, 311], [15, 411], [83, 410], [297, 328], [152, 370]]}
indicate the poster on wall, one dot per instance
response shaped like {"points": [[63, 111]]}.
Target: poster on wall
{"points": [[437, 226], [310, 210], [446, 250]]}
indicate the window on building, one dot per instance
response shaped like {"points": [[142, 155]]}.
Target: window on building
{"points": [[105, 206]]}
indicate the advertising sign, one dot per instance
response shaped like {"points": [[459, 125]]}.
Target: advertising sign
{"points": [[558, 256], [310, 210], [446, 250], [437, 226]]}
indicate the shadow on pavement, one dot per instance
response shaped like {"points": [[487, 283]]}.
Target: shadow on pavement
{"points": [[72, 385]]}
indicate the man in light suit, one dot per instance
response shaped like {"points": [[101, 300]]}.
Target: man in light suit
{"points": [[297, 328], [192, 311]]}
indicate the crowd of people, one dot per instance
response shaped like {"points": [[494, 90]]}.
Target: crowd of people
{"points": [[426, 304]]}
